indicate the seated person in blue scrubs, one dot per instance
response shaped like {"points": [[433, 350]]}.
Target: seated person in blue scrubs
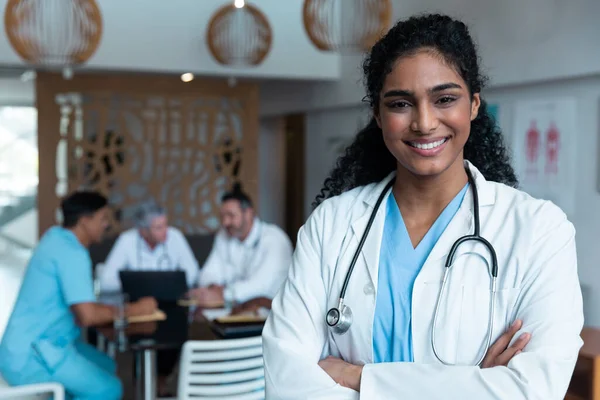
{"points": [[42, 341]]}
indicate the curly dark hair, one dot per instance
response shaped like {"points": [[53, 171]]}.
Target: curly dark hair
{"points": [[367, 159]]}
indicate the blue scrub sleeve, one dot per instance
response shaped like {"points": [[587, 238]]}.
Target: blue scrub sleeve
{"points": [[75, 277]]}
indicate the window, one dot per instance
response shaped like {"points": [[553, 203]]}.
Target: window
{"points": [[18, 173]]}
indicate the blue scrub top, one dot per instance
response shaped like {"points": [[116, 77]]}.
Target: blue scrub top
{"points": [[399, 265], [59, 275]]}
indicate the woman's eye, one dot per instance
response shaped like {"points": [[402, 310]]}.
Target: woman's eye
{"points": [[446, 100], [399, 104]]}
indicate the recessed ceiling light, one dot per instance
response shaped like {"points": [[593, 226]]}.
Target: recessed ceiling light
{"points": [[239, 3], [187, 77]]}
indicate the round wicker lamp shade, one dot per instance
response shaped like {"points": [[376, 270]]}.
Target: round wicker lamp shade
{"points": [[239, 36], [346, 25], [60, 33]]}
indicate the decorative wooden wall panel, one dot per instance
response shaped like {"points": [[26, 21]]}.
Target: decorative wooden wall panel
{"points": [[136, 138]]}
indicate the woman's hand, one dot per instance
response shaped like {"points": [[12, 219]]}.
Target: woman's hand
{"points": [[343, 373], [499, 354]]}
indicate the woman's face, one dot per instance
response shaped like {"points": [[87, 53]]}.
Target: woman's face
{"points": [[425, 113]]}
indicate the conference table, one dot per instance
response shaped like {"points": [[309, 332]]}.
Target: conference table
{"points": [[182, 323]]}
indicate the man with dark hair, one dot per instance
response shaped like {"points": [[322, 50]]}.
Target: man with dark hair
{"points": [[42, 341], [249, 260]]}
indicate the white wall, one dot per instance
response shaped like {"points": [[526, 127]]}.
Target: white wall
{"points": [[169, 36], [326, 131], [272, 171], [587, 216], [520, 41]]}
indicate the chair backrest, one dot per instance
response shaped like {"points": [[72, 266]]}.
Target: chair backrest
{"points": [[222, 369], [38, 391]]}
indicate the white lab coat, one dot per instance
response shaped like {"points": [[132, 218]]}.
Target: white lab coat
{"points": [[537, 282], [131, 251], [253, 268]]}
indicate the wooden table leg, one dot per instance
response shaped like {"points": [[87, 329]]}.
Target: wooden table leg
{"points": [[595, 379]]}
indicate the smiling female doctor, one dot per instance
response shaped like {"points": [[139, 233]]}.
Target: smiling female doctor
{"points": [[418, 316]]}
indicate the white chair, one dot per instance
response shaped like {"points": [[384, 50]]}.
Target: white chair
{"points": [[31, 392], [222, 369]]}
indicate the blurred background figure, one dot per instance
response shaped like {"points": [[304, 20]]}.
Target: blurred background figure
{"points": [[42, 342], [249, 260], [151, 245]]}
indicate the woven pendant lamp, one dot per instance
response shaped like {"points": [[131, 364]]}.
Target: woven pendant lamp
{"points": [[239, 36], [53, 33], [346, 26]]}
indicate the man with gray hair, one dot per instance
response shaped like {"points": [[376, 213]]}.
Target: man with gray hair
{"points": [[151, 245]]}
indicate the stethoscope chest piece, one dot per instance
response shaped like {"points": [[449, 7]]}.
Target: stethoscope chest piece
{"points": [[339, 318]]}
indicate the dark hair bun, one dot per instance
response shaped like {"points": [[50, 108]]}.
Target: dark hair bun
{"points": [[237, 188], [238, 194]]}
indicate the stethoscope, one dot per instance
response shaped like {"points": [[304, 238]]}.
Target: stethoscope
{"points": [[164, 256], [340, 318], [254, 246]]}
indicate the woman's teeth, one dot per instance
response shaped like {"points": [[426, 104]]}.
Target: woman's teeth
{"points": [[428, 146]]}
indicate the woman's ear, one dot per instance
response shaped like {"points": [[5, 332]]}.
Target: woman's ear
{"points": [[377, 118], [475, 103]]}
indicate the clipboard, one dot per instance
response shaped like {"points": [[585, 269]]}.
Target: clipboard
{"points": [[233, 330], [157, 315], [238, 326], [194, 303]]}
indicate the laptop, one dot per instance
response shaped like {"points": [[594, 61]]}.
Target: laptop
{"points": [[237, 330], [164, 286]]}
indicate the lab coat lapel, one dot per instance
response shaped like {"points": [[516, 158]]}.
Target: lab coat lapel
{"points": [[461, 225], [463, 222], [372, 245]]}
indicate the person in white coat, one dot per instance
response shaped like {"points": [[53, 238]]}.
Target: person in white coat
{"points": [[249, 259], [428, 169], [151, 245]]}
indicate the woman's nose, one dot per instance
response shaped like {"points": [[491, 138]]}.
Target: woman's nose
{"points": [[424, 120]]}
